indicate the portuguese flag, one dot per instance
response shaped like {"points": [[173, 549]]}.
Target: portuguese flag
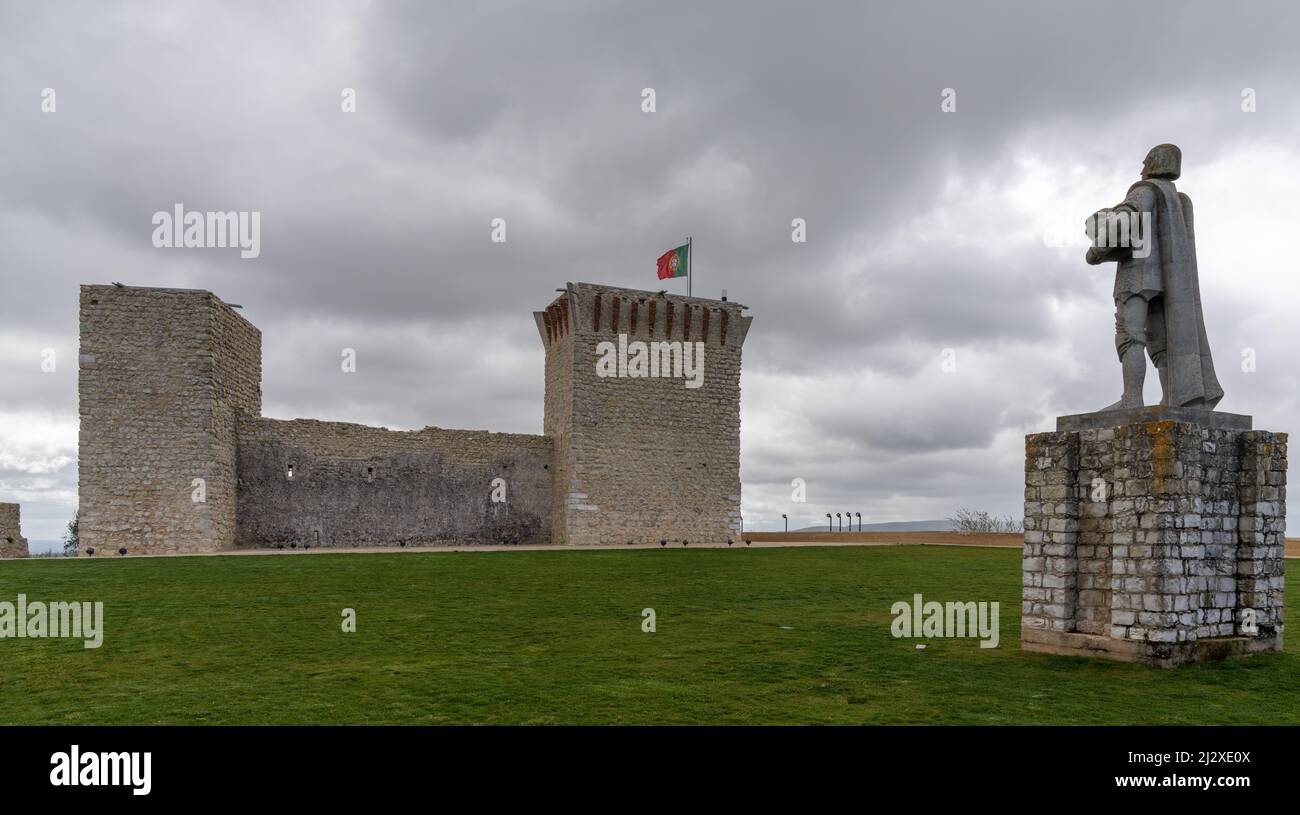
{"points": [[675, 262]]}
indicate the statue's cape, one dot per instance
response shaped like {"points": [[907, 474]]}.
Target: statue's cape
{"points": [[1192, 382]]}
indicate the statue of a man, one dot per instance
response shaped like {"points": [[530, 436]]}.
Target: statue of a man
{"points": [[1157, 292]]}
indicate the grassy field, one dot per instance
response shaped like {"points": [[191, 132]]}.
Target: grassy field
{"points": [[744, 637]]}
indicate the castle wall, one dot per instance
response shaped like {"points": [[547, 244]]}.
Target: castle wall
{"points": [[648, 457], [556, 328], [12, 542], [163, 373], [237, 387], [174, 456], [355, 485]]}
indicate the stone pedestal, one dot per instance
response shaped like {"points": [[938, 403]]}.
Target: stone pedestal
{"points": [[1154, 536]]}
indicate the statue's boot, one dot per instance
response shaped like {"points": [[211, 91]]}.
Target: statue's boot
{"points": [[1135, 373]]}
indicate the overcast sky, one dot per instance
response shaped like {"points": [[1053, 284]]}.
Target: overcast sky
{"points": [[926, 230]]}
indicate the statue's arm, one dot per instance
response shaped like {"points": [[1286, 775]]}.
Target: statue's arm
{"points": [[1187, 215], [1140, 198], [1095, 227]]}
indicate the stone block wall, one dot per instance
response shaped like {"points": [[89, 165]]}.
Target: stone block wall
{"points": [[555, 325], [643, 458], [12, 542], [162, 375], [354, 485], [1160, 542], [174, 456]]}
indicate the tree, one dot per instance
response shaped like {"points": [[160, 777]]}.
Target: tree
{"points": [[970, 520], [71, 541]]}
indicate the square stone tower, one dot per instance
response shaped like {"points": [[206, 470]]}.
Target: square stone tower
{"points": [[643, 403], [163, 375]]}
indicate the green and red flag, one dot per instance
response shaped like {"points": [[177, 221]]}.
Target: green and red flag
{"points": [[675, 262]]}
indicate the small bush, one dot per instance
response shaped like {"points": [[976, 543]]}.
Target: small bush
{"points": [[968, 521], [71, 541]]}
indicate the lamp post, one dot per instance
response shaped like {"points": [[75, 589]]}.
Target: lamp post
{"points": [[787, 521], [830, 525], [859, 514], [840, 519]]}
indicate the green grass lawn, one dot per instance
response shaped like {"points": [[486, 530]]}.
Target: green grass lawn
{"points": [[744, 636]]}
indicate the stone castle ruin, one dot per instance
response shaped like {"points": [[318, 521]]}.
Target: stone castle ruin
{"points": [[12, 542], [175, 456]]}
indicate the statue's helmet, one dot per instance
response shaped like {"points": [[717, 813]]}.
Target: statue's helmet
{"points": [[1164, 161]]}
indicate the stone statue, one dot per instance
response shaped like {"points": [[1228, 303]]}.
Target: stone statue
{"points": [[1157, 292]]}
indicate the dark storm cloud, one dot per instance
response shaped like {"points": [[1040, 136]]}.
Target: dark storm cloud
{"points": [[375, 231]]}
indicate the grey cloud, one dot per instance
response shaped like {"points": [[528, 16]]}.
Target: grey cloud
{"points": [[376, 223]]}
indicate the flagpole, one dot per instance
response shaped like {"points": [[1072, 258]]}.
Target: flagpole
{"points": [[690, 266]]}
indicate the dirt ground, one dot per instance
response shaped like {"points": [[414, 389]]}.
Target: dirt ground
{"points": [[933, 538]]}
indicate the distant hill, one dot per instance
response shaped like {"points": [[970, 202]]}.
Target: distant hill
{"points": [[942, 525]]}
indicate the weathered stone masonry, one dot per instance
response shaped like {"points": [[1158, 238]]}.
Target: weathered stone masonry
{"points": [[12, 542], [163, 374], [642, 459], [175, 457], [1158, 542], [354, 485]]}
